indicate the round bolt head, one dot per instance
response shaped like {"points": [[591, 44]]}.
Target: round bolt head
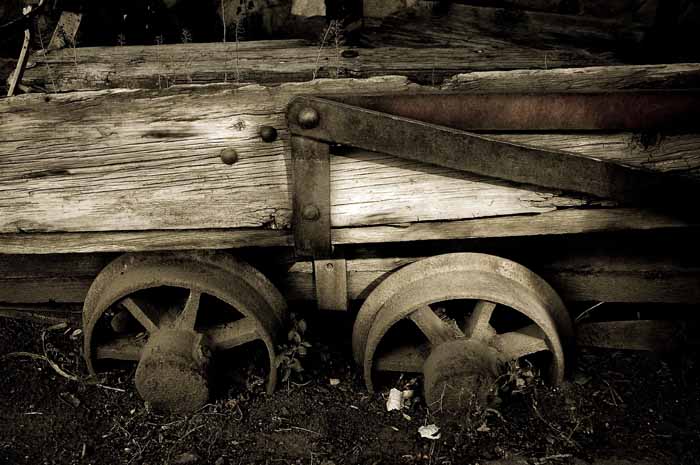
{"points": [[268, 133], [310, 213], [308, 118], [229, 156]]}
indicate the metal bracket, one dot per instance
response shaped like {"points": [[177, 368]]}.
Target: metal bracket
{"points": [[432, 128], [311, 203], [330, 278]]}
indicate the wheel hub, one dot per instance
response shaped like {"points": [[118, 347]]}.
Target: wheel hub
{"points": [[172, 372], [460, 374]]}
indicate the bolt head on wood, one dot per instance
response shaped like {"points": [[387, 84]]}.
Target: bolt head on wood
{"points": [[229, 156], [268, 133], [308, 118], [310, 213]]}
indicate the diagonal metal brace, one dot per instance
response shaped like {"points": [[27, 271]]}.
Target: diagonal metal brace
{"points": [[321, 121]]}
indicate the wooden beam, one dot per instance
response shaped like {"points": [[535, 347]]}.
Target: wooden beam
{"points": [[457, 25], [576, 276], [556, 222], [659, 336], [274, 62], [566, 221], [141, 241], [597, 78], [617, 279]]}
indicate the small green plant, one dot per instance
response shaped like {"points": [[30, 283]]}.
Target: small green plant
{"points": [[291, 354], [518, 377]]}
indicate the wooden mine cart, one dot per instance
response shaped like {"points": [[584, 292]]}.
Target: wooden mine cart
{"points": [[176, 198]]}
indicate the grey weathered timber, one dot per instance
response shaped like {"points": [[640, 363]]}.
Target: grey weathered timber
{"points": [[275, 62], [463, 24], [610, 279], [660, 336], [66, 278], [596, 78], [130, 169], [564, 221], [141, 241], [555, 222]]}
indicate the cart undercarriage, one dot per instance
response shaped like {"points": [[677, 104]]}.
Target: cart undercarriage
{"points": [[184, 220]]}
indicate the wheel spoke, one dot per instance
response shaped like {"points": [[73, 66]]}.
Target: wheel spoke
{"points": [[407, 359], [139, 314], [436, 330], [187, 318], [525, 341], [123, 348], [478, 325], [230, 335]]}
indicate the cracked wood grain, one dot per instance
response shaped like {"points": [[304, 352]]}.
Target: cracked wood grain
{"points": [[275, 62], [147, 162]]}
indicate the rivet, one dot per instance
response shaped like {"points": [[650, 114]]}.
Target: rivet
{"points": [[329, 266], [268, 133], [229, 156], [310, 213], [308, 118]]}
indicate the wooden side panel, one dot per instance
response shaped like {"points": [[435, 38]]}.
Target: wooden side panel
{"points": [[143, 160]]}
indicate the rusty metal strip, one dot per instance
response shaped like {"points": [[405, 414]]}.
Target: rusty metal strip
{"points": [[311, 219], [345, 124], [602, 111]]}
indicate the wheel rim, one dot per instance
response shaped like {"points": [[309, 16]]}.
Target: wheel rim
{"points": [[491, 282], [259, 312]]}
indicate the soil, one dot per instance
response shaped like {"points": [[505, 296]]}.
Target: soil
{"points": [[636, 406]]}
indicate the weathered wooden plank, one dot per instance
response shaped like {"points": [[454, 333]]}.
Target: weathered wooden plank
{"points": [[619, 281], [456, 25], [566, 221], [45, 314], [142, 241], [600, 78], [660, 336], [162, 66], [557, 222], [576, 277]]}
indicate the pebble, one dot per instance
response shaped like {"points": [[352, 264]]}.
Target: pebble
{"points": [[188, 458]]}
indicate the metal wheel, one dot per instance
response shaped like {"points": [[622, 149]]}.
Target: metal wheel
{"points": [[170, 312], [472, 313]]}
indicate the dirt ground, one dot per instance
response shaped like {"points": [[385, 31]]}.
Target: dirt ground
{"points": [[639, 407]]}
